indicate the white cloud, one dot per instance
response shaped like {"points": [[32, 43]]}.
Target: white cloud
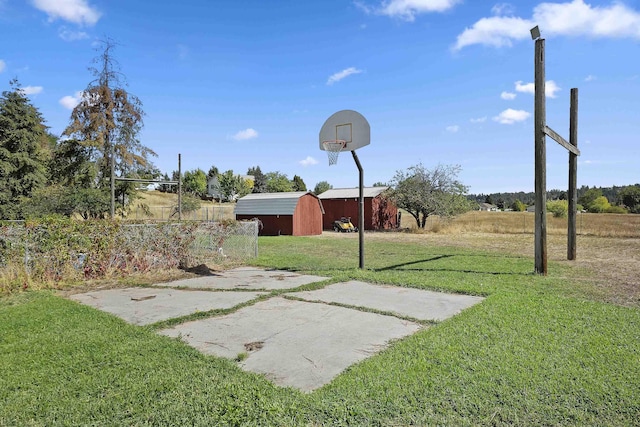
{"points": [[342, 74], [245, 134], [69, 102], [578, 18], [525, 88], [478, 120], [510, 116], [3, 65], [453, 128], [408, 9], [497, 31], [69, 35], [550, 88], [308, 161], [589, 78], [31, 90], [508, 95], [503, 9], [574, 18], [76, 11]]}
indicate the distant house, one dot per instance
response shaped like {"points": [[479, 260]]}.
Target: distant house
{"points": [[296, 213], [213, 186], [488, 207], [531, 208], [379, 212]]}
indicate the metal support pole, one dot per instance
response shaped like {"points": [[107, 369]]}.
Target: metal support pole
{"points": [[113, 181], [179, 187], [573, 176], [540, 161], [360, 209]]}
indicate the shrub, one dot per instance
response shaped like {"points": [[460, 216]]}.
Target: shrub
{"points": [[616, 210], [599, 205], [518, 206], [558, 208], [55, 249]]}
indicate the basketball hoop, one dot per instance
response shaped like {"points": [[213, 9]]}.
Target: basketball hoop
{"points": [[333, 148]]}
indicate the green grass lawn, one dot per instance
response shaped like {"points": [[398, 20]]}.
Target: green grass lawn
{"points": [[537, 351]]}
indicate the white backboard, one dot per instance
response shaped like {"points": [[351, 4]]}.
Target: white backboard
{"points": [[347, 125]]}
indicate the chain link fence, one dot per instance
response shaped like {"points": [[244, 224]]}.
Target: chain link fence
{"points": [[168, 213], [93, 249]]}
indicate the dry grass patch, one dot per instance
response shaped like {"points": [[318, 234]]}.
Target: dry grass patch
{"points": [[602, 225], [160, 206], [612, 264]]}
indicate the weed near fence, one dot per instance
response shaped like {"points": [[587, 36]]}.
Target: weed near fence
{"points": [[46, 252]]}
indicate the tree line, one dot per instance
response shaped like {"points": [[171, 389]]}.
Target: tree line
{"points": [[229, 186], [614, 199]]}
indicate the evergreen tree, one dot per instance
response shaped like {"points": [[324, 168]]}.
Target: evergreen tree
{"points": [[213, 172], [259, 180], [298, 184], [23, 151], [108, 119], [71, 165]]}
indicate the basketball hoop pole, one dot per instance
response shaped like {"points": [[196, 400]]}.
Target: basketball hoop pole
{"points": [[360, 209]]}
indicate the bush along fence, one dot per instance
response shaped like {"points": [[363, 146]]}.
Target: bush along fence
{"points": [[56, 249]]}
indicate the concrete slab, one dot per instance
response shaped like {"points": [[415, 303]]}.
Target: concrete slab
{"points": [[143, 306], [416, 303], [247, 278], [294, 343]]}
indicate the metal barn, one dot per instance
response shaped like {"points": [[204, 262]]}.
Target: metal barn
{"points": [[379, 212], [295, 214]]}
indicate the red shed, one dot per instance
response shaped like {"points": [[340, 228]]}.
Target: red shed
{"points": [[295, 214], [379, 212]]}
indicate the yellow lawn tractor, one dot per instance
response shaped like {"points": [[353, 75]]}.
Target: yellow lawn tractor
{"points": [[344, 225]]}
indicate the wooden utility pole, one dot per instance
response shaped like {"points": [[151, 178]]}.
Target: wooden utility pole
{"points": [[573, 176], [179, 187], [541, 131], [540, 119]]}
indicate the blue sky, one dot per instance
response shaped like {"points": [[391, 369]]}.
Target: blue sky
{"points": [[243, 83]]}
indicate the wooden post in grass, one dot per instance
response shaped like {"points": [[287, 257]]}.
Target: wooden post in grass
{"points": [[541, 131], [573, 176], [179, 187], [540, 161]]}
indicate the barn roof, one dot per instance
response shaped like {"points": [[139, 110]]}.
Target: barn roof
{"points": [[270, 203], [349, 193]]}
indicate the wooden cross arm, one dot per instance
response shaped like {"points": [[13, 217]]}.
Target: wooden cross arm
{"points": [[560, 140]]}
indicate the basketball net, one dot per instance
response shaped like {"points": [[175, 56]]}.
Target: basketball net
{"points": [[333, 149]]}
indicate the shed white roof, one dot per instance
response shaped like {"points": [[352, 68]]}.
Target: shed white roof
{"points": [[269, 203], [350, 193]]}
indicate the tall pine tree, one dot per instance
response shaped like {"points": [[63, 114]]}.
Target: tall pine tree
{"points": [[108, 119], [24, 146]]}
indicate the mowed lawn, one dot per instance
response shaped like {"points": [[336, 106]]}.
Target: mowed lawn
{"points": [[537, 351]]}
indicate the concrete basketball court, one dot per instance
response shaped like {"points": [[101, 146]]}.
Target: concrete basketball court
{"points": [[246, 278], [297, 339], [143, 306]]}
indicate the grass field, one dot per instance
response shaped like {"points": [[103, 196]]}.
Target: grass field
{"points": [[160, 207], [538, 351], [601, 225]]}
